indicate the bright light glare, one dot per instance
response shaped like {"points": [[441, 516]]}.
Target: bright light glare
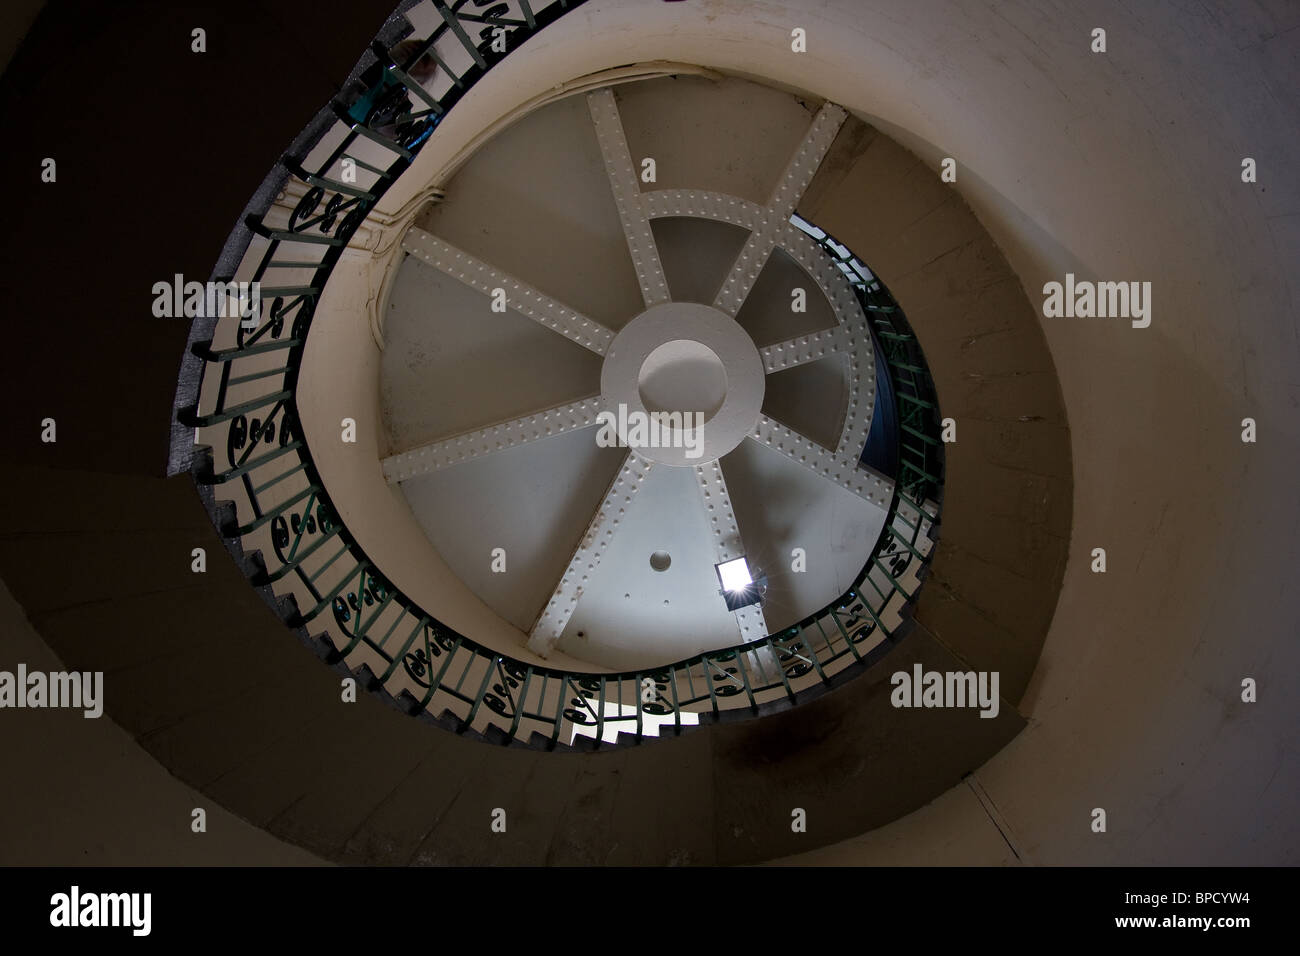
{"points": [[735, 575], [622, 717]]}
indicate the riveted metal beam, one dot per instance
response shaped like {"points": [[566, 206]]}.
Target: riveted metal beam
{"points": [[807, 159], [627, 196], [520, 296], [804, 348], [586, 558], [842, 470], [724, 532], [436, 455], [775, 216]]}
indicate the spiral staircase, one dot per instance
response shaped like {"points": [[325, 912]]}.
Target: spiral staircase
{"points": [[609, 731]]}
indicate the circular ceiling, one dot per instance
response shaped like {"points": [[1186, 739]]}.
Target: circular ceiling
{"points": [[587, 387]]}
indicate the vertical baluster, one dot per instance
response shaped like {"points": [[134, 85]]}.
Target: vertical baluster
{"points": [[812, 655], [473, 656], [640, 682], [523, 702], [744, 675], [401, 655], [436, 682], [383, 641], [677, 710], [361, 629], [600, 713], [482, 690], [708, 681], [559, 710], [453, 24], [780, 667], [541, 700], [328, 599], [848, 642]]}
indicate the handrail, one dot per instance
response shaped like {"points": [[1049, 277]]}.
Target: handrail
{"points": [[402, 648]]}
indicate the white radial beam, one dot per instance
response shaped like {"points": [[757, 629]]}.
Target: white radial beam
{"points": [[627, 196], [744, 272], [724, 532], [794, 180], [493, 438], [803, 165], [841, 469], [586, 558], [805, 348], [520, 296]]}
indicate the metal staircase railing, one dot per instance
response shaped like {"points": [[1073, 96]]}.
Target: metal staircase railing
{"points": [[286, 520]]}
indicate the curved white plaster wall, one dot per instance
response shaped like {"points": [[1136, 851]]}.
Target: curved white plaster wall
{"points": [[1122, 166]]}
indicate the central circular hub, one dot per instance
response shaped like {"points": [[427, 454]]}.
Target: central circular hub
{"points": [[683, 376], [682, 384]]}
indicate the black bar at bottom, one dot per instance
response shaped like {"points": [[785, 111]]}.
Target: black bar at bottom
{"points": [[239, 905]]}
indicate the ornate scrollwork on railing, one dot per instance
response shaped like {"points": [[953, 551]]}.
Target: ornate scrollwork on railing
{"points": [[658, 705], [510, 677], [284, 510]]}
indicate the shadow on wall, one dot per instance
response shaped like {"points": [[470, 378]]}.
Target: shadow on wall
{"points": [[94, 797]]}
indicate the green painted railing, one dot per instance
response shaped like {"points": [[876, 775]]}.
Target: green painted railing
{"points": [[323, 579]]}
